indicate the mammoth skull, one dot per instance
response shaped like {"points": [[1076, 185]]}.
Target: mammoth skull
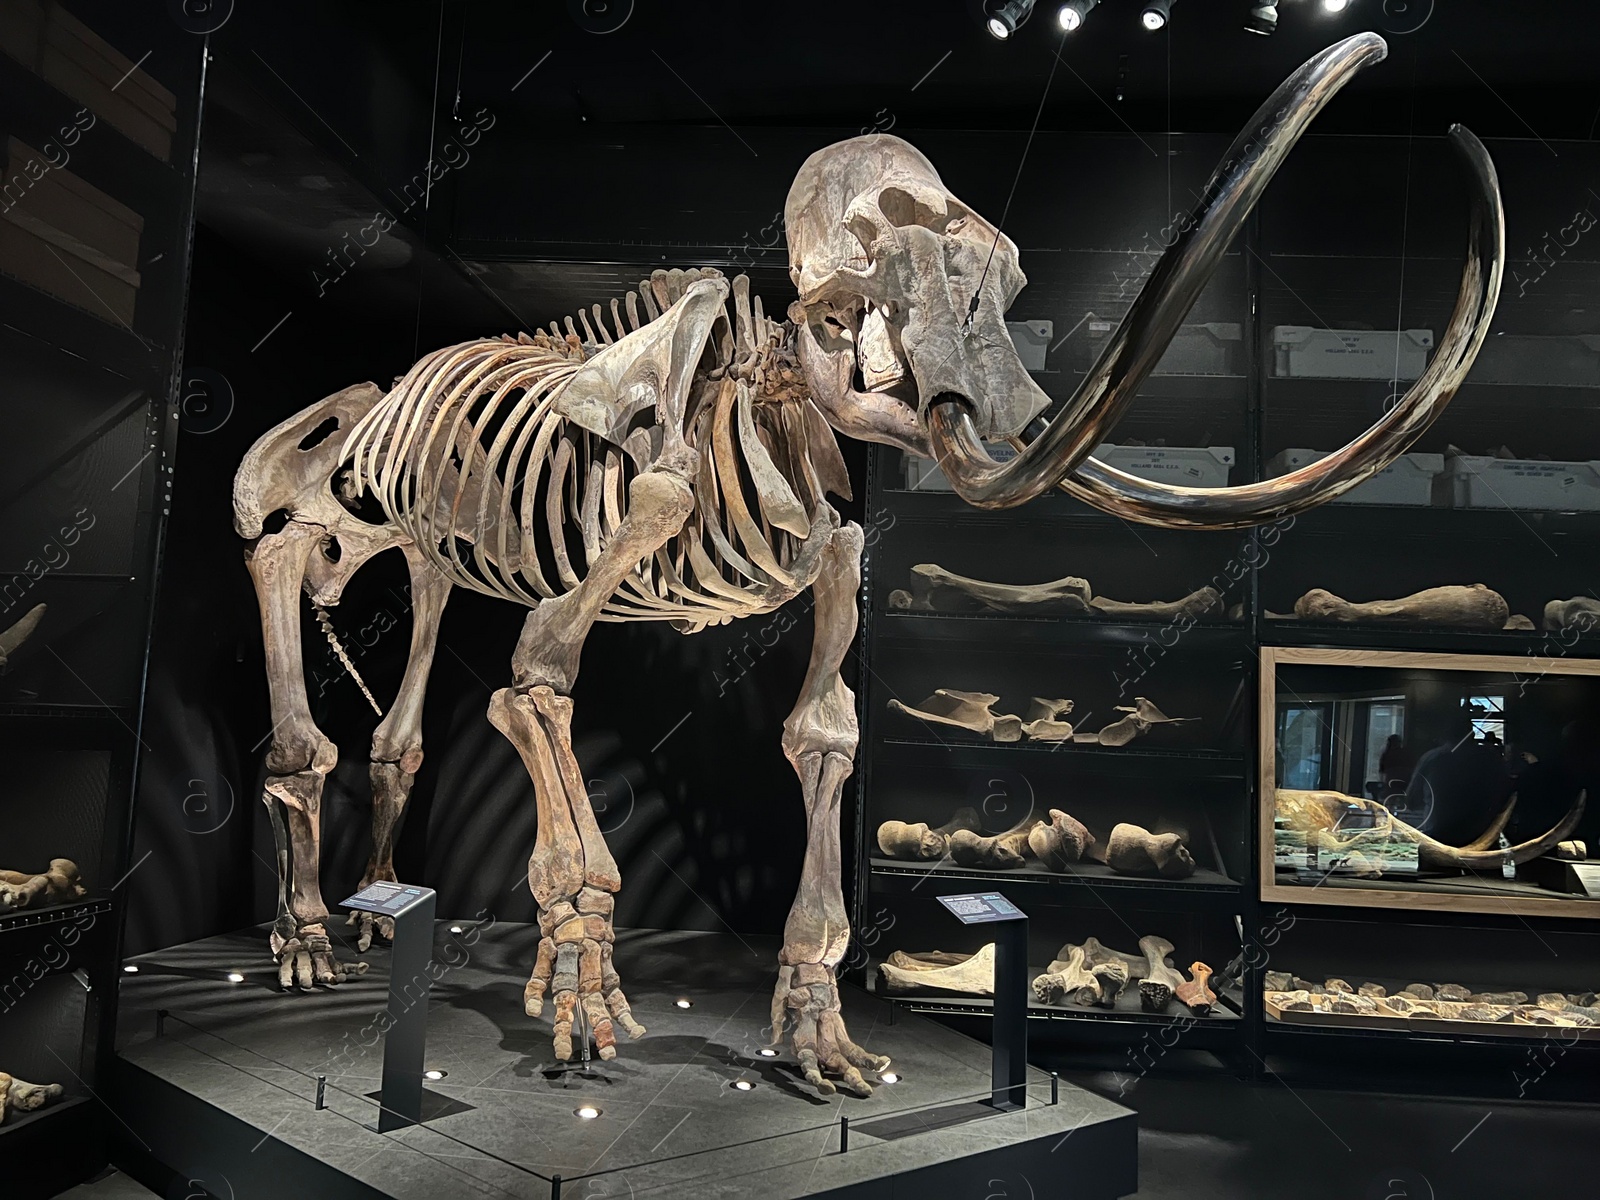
{"points": [[902, 337], [903, 291]]}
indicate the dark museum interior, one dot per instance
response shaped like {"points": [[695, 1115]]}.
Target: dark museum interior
{"points": [[1078, 521]]}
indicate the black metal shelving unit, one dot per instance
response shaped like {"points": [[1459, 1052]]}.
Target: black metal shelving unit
{"points": [[1295, 268]]}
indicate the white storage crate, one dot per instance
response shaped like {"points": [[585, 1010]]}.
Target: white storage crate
{"points": [[1407, 480], [1571, 360], [924, 475], [1205, 348], [1183, 466], [1478, 481], [1301, 352]]}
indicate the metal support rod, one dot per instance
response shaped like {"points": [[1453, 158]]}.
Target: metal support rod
{"points": [[555, 1187], [1055, 1088], [844, 1134], [322, 1092], [161, 1022]]}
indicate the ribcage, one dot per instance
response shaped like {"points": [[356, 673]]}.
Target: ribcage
{"points": [[469, 457]]}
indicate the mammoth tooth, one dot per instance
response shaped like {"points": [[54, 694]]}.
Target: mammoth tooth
{"points": [[1060, 455]]}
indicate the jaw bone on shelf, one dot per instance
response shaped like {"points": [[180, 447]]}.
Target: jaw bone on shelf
{"points": [[974, 712], [1057, 843]]}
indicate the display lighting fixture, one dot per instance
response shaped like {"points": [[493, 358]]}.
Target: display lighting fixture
{"points": [[1005, 19], [1156, 14], [235, 977], [457, 930], [587, 1112], [1335, 6], [1071, 15], [434, 1074], [889, 1077], [684, 1003], [743, 1085], [130, 968], [767, 1052], [1263, 18]]}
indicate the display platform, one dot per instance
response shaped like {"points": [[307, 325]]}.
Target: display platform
{"points": [[226, 1094]]}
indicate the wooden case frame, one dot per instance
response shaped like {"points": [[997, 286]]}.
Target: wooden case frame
{"points": [[1359, 897]]}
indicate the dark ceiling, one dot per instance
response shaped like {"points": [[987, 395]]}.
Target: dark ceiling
{"points": [[320, 115]]}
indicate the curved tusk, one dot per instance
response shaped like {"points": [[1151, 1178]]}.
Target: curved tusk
{"points": [[1175, 283], [1435, 855], [1250, 504], [1492, 834]]}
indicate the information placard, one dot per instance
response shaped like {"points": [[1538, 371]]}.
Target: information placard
{"points": [[389, 899], [978, 908]]}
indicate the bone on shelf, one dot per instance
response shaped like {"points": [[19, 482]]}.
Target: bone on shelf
{"points": [[1452, 607], [936, 590], [59, 884], [1443, 1008], [17, 1095], [969, 974], [974, 712]]}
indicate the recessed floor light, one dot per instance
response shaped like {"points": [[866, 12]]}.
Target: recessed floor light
{"points": [[767, 1052], [587, 1113], [684, 1003], [434, 1073], [889, 1077], [130, 968], [235, 977], [456, 929], [743, 1085]]}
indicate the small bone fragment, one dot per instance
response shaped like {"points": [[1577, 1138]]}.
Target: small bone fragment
{"points": [[1133, 850], [55, 886], [1581, 613], [1451, 991], [974, 975], [917, 842], [1000, 852], [1375, 990], [1457, 607], [1142, 716], [933, 589], [1043, 720], [1499, 997], [1207, 602], [1195, 994], [1064, 841], [972, 711], [1519, 623], [1573, 850], [1278, 981], [1154, 997], [1110, 978], [1419, 990], [1337, 985]]}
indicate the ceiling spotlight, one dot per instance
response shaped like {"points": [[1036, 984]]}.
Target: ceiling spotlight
{"points": [[235, 977], [1335, 6], [1008, 17], [767, 1052], [1156, 14], [684, 1003], [1071, 15], [743, 1085], [587, 1113], [435, 1074], [130, 968], [1263, 18]]}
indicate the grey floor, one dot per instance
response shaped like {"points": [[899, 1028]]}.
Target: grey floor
{"points": [[113, 1185]]}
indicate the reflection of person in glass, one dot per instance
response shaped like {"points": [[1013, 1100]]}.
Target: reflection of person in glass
{"points": [[1547, 785], [1460, 785], [1394, 766]]}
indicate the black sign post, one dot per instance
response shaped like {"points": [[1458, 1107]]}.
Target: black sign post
{"points": [[1009, 1072], [405, 1043]]}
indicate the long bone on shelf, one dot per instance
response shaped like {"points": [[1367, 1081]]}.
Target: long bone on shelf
{"points": [[1056, 843]]}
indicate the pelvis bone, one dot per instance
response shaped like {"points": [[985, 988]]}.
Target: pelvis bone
{"points": [[55, 886], [1321, 816], [972, 711]]}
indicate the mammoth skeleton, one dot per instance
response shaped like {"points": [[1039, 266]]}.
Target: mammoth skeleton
{"points": [[669, 459]]}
